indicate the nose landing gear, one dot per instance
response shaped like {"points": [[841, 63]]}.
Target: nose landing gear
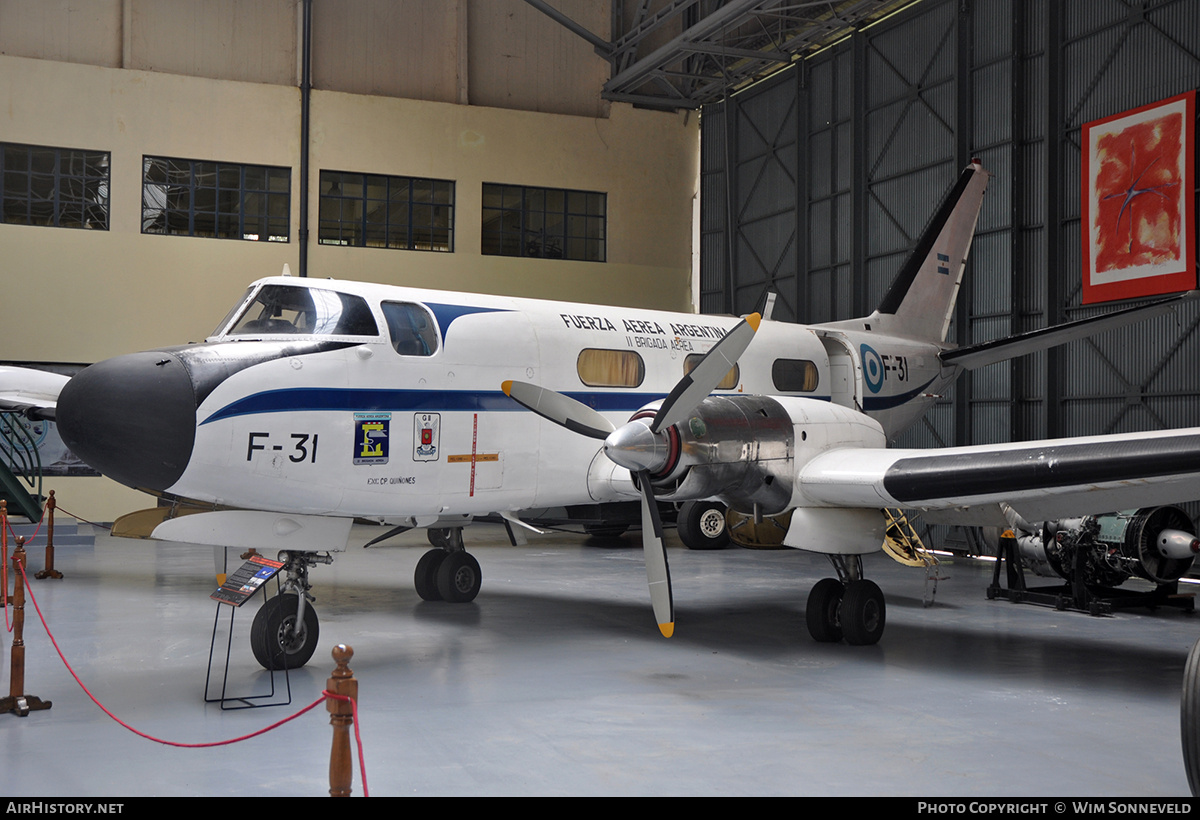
{"points": [[285, 629]]}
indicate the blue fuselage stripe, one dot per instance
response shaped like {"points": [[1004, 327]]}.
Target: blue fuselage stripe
{"points": [[319, 399], [876, 403], [315, 399]]}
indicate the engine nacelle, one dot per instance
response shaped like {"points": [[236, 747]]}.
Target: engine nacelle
{"points": [[1154, 543], [745, 449]]}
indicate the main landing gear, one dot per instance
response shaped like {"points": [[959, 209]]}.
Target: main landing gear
{"points": [[848, 606], [702, 525], [285, 629], [448, 572]]}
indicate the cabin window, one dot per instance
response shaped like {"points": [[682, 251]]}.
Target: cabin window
{"points": [[794, 375], [548, 223], [728, 383], [58, 187], [610, 368], [377, 211], [411, 328], [310, 311]]}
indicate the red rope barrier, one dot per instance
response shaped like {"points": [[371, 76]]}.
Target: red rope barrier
{"points": [[35, 531], [324, 694], [8, 626]]}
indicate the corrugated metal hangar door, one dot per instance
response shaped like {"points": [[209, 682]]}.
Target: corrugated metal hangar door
{"points": [[817, 182]]}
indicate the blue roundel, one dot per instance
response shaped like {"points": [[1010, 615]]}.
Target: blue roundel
{"points": [[872, 368]]}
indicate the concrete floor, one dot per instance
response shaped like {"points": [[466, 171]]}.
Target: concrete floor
{"points": [[554, 681]]}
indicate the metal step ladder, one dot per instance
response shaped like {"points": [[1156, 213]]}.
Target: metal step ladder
{"points": [[20, 468], [901, 542]]}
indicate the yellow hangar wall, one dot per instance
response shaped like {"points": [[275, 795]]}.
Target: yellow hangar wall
{"points": [[77, 295]]}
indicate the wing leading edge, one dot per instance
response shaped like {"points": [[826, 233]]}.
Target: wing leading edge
{"points": [[28, 391], [1041, 480]]}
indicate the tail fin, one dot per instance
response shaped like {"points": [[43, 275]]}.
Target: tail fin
{"points": [[921, 300]]}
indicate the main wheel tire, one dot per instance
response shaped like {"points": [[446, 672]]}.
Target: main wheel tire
{"points": [[425, 576], [702, 525], [863, 613], [1189, 718], [274, 639], [459, 578], [821, 612]]}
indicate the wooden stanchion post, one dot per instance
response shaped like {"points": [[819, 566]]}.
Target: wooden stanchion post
{"points": [[49, 571], [4, 550], [17, 702], [341, 718]]}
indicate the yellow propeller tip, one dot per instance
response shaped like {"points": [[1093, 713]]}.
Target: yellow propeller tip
{"points": [[753, 320], [506, 386], [667, 629]]}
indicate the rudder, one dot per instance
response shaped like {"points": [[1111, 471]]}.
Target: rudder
{"points": [[920, 302]]}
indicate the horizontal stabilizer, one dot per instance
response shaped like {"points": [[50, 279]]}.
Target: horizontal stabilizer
{"points": [[1001, 350]]}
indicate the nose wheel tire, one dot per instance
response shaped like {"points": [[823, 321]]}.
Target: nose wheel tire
{"points": [[277, 640]]}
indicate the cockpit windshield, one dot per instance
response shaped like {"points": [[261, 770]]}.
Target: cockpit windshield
{"points": [[304, 310]]}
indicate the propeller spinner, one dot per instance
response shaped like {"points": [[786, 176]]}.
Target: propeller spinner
{"points": [[642, 448]]}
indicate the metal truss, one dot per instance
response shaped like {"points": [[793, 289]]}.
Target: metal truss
{"points": [[682, 54]]}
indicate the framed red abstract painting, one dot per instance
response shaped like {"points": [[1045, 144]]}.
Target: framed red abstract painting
{"points": [[1139, 216]]}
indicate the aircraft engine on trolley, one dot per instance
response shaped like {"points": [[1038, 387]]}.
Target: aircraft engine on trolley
{"points": [[1157, 544]]}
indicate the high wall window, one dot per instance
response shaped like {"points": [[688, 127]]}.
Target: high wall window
{"points": [[376, 211], [60, 187], [543, 222], [187, 197]]}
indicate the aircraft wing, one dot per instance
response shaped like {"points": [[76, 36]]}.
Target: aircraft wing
{"points": [[1041, 480], [28, 391]]}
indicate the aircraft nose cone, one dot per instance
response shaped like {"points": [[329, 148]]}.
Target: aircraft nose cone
{"points": [[635, 448], [132, 418]]}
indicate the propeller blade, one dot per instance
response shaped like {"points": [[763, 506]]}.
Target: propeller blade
{"points": [[560, 409], [657, 572], [694, 387]]}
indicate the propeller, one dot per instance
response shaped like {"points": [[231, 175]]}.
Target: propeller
{"points": [[643, 449]]}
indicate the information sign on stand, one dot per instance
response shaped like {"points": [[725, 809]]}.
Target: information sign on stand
{"points": [[243, 583], [239, 587]]}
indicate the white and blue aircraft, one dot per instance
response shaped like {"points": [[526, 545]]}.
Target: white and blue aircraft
{"points": [[316, 402]]}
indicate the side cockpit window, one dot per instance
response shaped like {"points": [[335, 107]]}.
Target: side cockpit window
{"points": [[308, 311], [411, 328]]}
